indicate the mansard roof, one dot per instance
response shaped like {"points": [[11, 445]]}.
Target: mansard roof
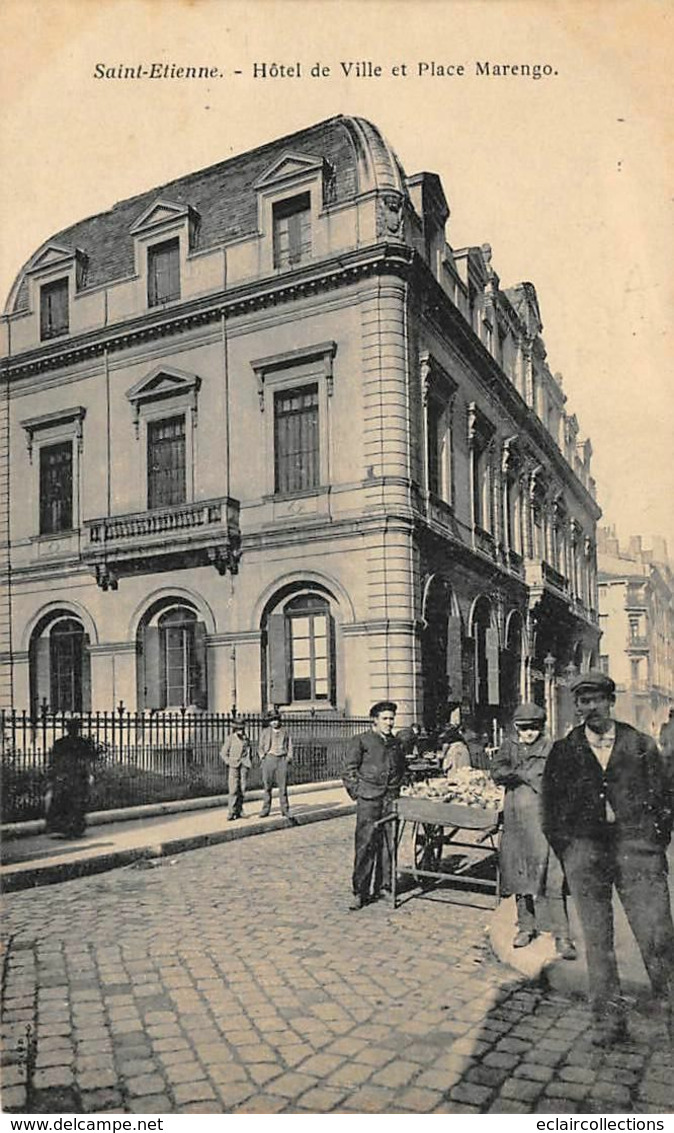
{"points": [[223, 196]]}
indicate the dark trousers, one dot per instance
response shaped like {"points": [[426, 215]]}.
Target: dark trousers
{"points": [[542, 914], [237, 777], [639, 873], [275, 770], [372, 864]]}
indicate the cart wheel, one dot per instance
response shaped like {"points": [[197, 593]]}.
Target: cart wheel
{"points": [[427, 851]]}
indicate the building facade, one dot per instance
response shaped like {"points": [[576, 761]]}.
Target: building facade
{"points": [[636, 614], [268, 439]]}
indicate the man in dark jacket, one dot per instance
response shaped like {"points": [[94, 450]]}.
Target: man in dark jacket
{"points": [[608, 816], [667, 746], [373, 773]]}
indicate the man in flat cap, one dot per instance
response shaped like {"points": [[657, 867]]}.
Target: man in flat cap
{"points": [[529, 867], [275, 751], [373, 773], [608, 816]]}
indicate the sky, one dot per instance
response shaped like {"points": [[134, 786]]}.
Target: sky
{"points": [[568, 177]]}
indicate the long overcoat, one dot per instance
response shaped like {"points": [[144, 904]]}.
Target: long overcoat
{"points": [[528, 863], [69, 777]]}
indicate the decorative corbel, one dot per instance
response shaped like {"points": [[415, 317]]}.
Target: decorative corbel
{"points": [[225, 556], [509, 455], [106, 578], [472, 424], [426, 371]]}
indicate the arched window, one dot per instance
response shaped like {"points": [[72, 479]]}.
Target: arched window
{"points": [[60, 667], [441, 652], [171, 649], [300, 652]]}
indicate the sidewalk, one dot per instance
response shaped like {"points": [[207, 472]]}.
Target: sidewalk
{"points": [[30, 859], [540, 961]]}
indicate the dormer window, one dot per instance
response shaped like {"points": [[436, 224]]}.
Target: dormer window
{"points": [[292, 230], [163, 272], [54, 315]]}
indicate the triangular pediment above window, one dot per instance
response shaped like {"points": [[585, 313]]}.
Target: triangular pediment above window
{"points": [[289, 167], [54, 255], [163, 382], [162, 213]]}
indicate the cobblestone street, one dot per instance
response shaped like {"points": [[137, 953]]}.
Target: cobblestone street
{"points": [[233, 979]]}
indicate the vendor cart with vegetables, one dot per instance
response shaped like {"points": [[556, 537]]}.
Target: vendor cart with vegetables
{"points": [[457, 819]]}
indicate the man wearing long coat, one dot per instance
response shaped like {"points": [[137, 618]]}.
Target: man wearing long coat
{"points": [[529, 868]]}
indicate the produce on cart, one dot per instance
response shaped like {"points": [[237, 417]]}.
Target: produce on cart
{"points": [[441, 812], [467, 787]]}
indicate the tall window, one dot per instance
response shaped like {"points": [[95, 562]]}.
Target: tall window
{"points": [[163, 272], [179, 677], [60, 665], [482, 484], [299, 645], [166, 483], [307, 619], [291, 221], [171, 649], [56, 488], [436, 439], [66, 648], [512, 512], [296, 448], [54, 316]]}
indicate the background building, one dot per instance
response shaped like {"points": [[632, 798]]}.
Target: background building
{"points": [[636, 611], [268, 439]]}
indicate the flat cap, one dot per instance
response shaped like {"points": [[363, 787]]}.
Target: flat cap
{"points": [[529, 714], [383, 706], [592, 681]]}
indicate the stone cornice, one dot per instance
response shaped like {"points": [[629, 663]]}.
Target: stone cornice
{"points": [[338, 271]]}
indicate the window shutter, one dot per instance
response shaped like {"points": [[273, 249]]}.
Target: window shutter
{"points": [[454, 658], [86, 674], [42, 682], [152, 279], [152, 693], [276, 660], [200, 674], [332, 655], [492, 649]]}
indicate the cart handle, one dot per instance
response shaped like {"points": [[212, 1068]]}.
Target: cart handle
{"points": [[387, 818]]}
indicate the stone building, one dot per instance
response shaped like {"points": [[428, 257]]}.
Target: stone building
{"points": [[269, 439], [636, 615]]}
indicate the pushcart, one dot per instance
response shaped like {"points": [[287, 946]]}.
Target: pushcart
{"points": [[437, 825]]}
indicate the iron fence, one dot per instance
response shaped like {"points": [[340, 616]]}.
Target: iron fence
{"points": [[156, 757]]}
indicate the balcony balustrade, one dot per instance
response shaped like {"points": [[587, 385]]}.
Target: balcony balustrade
{"points": [[204, 531]]}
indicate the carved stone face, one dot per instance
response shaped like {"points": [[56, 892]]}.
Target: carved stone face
{"points": [[389, 214]]}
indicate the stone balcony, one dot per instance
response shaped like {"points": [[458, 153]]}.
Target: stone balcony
{"points": [[638, 642], [541, 575], [190, 534]]}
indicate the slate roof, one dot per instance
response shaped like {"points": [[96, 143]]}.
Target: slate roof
{"points": [[224, 197]]}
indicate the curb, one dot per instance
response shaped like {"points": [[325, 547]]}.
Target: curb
{"points": [[34, 876], [12, 830]]}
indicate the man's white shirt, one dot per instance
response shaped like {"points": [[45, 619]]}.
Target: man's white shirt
{"points": [[602, 746]]}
